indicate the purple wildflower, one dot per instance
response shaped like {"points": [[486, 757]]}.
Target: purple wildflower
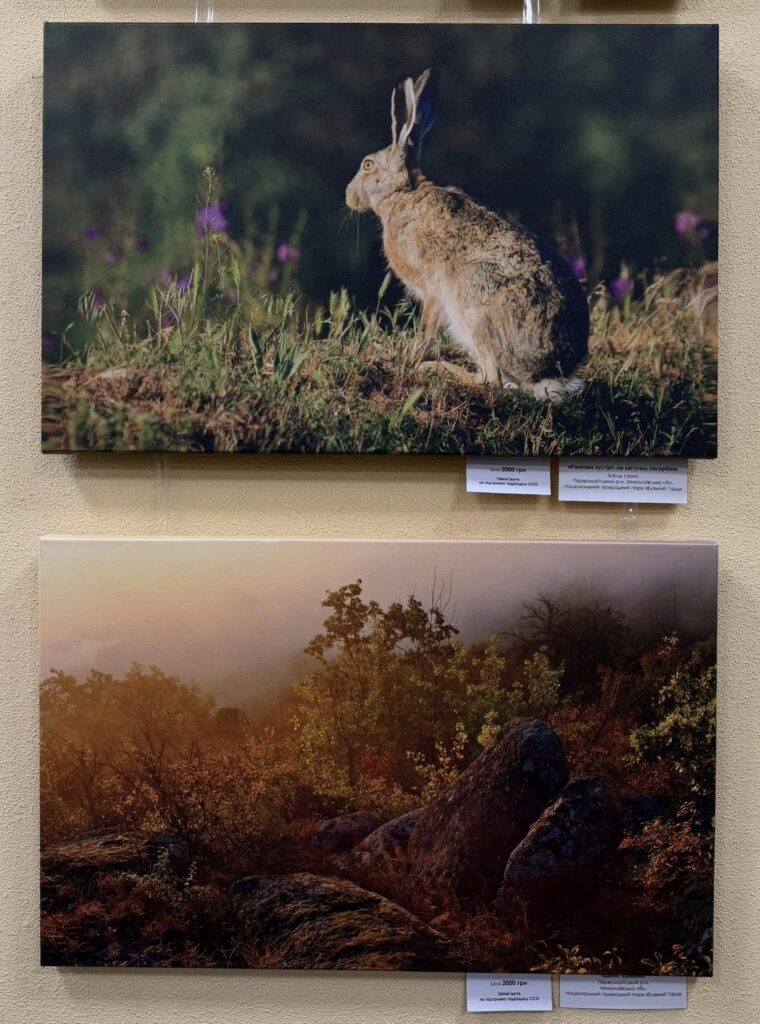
{"points": [[98, 302], [184, 283], [577, 265], [210, 220], [93, 233], [168, 319], [686, 223], [621, 287], [286, 252], [112, 259]]}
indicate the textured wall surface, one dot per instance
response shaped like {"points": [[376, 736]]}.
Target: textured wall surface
{"points": [[350, 497]]}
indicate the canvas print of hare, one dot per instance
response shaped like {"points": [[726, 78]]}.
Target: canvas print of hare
{"points": [[352, 755], [256, 255]]}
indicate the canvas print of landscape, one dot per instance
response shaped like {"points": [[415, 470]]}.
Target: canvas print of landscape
{"points": [[486, 756], [496, 239]]}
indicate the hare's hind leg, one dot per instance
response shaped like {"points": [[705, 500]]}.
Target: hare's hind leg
{"points": [[472, 329], [492, 372], [441, 366]]}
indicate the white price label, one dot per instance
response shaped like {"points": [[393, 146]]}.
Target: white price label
{"points": [[492, 475], [645, 481], [490, 992], [590, 992]]}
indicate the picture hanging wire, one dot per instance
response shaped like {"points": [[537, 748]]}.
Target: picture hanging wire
{"points": [[162, 495], [531, 12], [209, 5]]}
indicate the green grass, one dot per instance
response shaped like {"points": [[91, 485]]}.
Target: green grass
{"points": [[213, 368]]}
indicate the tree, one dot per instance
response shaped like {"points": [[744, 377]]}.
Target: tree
{"points": [[383, 682], [75, 751], [582, 638]]}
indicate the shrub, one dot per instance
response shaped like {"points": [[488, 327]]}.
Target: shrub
{"points": [[683, 735]]}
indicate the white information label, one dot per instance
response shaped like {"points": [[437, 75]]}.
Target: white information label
{"points": [[492, 475], [489, 992], [591, 992], [644, 481]]}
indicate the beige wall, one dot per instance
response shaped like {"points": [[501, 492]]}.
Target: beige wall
{"points": [[354, 497]]}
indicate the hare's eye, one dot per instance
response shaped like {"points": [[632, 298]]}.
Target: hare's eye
{"points": [[368, 165]]}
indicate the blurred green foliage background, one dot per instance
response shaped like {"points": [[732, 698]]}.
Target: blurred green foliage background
{"points": [[594, 136]]}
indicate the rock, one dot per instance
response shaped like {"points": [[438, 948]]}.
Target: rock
{"points": [[337, 835], [109, 850], [385, 849], [309, 921], [569, 842], [461, 842], [380, 860]]}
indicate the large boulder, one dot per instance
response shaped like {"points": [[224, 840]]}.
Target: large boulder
{"points": [[461, 842], [309, 921], [568, 844], [337, 835]]}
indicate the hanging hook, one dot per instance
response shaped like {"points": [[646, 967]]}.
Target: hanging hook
{"points": [[629, 517], [531, 12], [209, 11]]}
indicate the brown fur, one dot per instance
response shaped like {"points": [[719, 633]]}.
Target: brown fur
{"points": [[514, 306]]}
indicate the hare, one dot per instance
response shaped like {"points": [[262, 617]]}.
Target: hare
{"points": [[512, 305]]}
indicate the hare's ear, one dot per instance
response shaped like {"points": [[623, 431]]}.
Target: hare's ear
{"points": [[398, 111], [426, 99], [403, 111]]}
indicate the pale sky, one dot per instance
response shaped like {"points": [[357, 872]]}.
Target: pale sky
{"points": [[205, 609]]}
